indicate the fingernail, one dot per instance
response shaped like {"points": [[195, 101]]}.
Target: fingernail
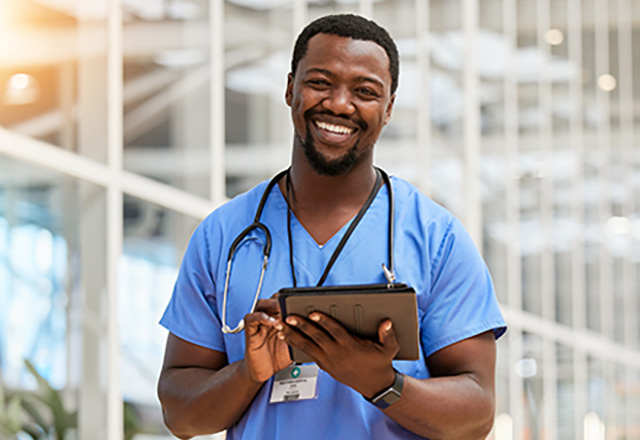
{"points": [[388, 326], [279, 327], [315, 317], [292, 321], [281, 336]]}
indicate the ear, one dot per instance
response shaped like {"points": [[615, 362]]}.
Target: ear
{"points": [[387, 113], [288, 94]]}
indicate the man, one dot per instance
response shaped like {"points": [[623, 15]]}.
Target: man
{"points": [[341, 91]]}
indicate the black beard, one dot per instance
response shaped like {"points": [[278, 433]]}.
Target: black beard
{"points": [[321, 165]]}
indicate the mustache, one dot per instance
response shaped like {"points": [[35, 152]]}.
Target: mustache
{"points": [[359, 122]]}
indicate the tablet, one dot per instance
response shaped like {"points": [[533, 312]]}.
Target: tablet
{"points": [[361, 309]]}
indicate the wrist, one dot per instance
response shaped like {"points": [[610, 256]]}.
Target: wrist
{"points": [[389, 395], [380, 385], [247, 372]]}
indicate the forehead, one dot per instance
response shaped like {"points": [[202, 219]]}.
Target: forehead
{"points": [[343, 54]]}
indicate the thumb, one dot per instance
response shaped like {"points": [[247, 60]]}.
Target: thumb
{"points": [[387, 337]]}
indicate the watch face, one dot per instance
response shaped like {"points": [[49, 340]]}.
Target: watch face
{"points": [[388, 398], [391, 397]]}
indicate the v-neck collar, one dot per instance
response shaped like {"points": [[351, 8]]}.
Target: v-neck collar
{"points": [[295, 223], [312, 259]]}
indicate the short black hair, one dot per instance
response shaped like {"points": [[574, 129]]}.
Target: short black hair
{"points": [[350, 26]]}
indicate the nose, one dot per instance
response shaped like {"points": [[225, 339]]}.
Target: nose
{"points": [[340, 101]]}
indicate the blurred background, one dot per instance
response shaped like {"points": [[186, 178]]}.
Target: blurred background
{"points": [[124, 122]]}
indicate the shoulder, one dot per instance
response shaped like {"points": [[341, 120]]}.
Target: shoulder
{"points": [[415, 208], [237, 212], [431, 228], [222, 225]]}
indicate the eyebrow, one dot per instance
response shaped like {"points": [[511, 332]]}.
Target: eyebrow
{"points": [[331, 74]]}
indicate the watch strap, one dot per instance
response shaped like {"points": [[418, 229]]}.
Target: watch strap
{"points": [[391, 395]]}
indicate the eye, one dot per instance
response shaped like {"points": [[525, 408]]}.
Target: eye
{"points": [[320, 82], [367, 92]]}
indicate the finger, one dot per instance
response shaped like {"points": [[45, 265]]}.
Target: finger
{"points": [[269, 306], [254, 320], [311, 330], [387, 337], [330, 326], [295, 336]]}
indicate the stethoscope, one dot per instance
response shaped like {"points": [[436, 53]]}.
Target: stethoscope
{"points": [[266, 250]]}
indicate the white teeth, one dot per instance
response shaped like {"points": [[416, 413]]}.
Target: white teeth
{"points": [[339, 129]]}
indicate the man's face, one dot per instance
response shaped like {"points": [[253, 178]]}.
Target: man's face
{"points": [[340, 98]]}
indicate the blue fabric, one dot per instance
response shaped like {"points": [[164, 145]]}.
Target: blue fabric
{"points": [[433, 254]]}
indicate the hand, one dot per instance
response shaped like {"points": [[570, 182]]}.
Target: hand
{"points": [[264, 354], [361, 364]]}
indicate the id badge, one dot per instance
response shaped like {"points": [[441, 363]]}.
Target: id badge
{"points": [[296, 382]]}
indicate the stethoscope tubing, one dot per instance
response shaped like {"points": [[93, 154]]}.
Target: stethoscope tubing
{"points": [[257, 224]]}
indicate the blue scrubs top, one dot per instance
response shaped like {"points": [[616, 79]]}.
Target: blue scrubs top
{"points": [[432, 253]]}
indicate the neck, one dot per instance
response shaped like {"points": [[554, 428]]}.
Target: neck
{"points": [[323, 204], [314, 191]]}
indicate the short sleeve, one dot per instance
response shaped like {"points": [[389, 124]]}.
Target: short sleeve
{"points": [[192, 312], [461, 302]]}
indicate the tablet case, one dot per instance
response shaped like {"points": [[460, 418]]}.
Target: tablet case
{"points": [[361, 309]]}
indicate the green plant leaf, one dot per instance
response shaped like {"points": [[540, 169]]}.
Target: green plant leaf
{"points": [[47, 393], [4, 435], [1, 399], [34, 413], [131, 421], [13, 414], [10, 418], [43, 385], [34, 433], [63, 420]]}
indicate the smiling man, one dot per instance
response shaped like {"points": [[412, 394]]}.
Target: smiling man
{"points": [[328, 220], [337, 127]]}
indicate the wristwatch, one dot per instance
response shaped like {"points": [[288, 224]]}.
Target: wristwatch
{"points": [[391, 395]]}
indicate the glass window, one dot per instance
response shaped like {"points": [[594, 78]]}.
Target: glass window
{"points": [[259, 134], [565, 392], [166, 92], [446, 99], [318, 8], [633, 405], [154, 241], [503, 405], [559, 164], [530, 368], [493, 58], [397, 149], [596, 387], [57, 96], [52, 249]]}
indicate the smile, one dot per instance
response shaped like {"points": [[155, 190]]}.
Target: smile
{"points": [[333, 128]]}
